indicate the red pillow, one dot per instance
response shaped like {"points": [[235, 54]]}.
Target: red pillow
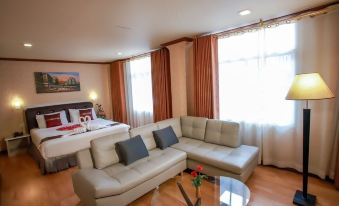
{"points": [[86, 112], [52, 120]]}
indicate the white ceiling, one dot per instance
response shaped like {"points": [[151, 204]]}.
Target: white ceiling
{"points": [[96, 30]]}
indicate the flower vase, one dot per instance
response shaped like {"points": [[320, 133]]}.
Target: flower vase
{"points": [[197, 192]]}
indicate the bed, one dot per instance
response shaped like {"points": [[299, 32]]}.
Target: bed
{"points": [[54, 148]]}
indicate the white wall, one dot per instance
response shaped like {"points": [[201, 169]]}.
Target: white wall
{"points": [[179, 62], [17, 80]]}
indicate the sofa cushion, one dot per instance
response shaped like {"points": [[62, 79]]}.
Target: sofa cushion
{"points": [[165, 137], [146, 133], [193, 127], [174, 123], [222, 133], [234, 160], [187, 144], [118, 178], [103, 149], [131, 150]]}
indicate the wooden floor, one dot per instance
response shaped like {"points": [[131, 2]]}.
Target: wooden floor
{"points": [[22, 184]]}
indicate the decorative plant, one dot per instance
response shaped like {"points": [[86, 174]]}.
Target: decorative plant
{"points": [[197, 176], [100, 111]]}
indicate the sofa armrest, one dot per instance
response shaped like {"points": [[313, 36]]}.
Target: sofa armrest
{"points": [[84, 159], [94, 183]]}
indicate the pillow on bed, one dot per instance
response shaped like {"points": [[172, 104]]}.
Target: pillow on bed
{"points": [[53, 120], [75, 114], [86, 112], [40, 118]]}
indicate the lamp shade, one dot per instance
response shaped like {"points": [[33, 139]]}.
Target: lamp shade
{"points": [[307, 87]]}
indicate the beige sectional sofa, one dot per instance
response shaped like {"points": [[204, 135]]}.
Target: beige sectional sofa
{"points": [[215, 144]]}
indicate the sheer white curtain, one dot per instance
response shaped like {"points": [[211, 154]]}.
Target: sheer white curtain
{"points": [[318, 49], [138, 86], [255, 72]]}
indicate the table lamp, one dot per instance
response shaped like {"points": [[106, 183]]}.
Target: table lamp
{"points": [[307, 87]]}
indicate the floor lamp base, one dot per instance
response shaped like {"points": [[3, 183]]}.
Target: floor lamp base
{"points": [[300, 200]]}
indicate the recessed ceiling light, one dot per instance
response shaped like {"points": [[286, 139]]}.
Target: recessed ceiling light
{"points": [[244, 12], [28, 45], [119, 53]]}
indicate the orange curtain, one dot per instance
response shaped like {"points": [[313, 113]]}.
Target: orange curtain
{"points": [[336, 177], [206, 94], [118, 92], [161, 85]]}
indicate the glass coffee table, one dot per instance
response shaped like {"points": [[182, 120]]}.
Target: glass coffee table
{"points": [[224, 191]]}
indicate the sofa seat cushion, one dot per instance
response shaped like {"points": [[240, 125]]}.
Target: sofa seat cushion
{"points": [[234, 160], [118, 178], [187, 144]]}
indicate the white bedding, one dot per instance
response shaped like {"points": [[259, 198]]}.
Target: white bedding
{"points": [[69, 144]]}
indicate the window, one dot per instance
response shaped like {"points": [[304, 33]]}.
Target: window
{"points": [[141, 83], [139, 91], [255, 72]]}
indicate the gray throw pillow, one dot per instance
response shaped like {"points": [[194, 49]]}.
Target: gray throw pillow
{"points": [[165, 137], [131, 150]]}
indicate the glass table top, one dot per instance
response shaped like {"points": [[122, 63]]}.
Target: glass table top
{"points": [[233, 192], [218, 191]]}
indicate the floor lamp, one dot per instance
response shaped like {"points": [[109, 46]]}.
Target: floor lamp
{"points": [[307, 87]]}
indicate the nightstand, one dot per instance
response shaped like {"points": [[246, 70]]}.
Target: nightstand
{"points": [[16, 145]]}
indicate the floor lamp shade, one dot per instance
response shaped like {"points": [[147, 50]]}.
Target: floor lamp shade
{"points": [[307, 87]]}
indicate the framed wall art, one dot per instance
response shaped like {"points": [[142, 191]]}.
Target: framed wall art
{"points": [[52, 82]]}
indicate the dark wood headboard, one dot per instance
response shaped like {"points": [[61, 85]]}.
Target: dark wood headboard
{"points": [[30, 113]]}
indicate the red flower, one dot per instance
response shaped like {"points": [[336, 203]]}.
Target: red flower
{"points": [[199, 168], [194, 173]]}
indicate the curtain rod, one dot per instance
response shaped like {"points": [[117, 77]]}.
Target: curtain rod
{"points": [[276, 21], [140, 55], [137, 56]]}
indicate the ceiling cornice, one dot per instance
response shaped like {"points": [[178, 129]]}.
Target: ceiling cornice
{"points": [[52, 60], [187, 39]]}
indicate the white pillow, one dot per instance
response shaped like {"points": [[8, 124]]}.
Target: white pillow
{"points": [[74, 114], [40, 118]]}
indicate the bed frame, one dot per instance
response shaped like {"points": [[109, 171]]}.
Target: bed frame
{"points": [[54, 164], [30, 113]]}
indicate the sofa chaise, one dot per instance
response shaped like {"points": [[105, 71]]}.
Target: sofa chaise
{"points": [[215, 144]]}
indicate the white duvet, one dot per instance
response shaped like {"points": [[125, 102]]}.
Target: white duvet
{"points": [[70, 142]]}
